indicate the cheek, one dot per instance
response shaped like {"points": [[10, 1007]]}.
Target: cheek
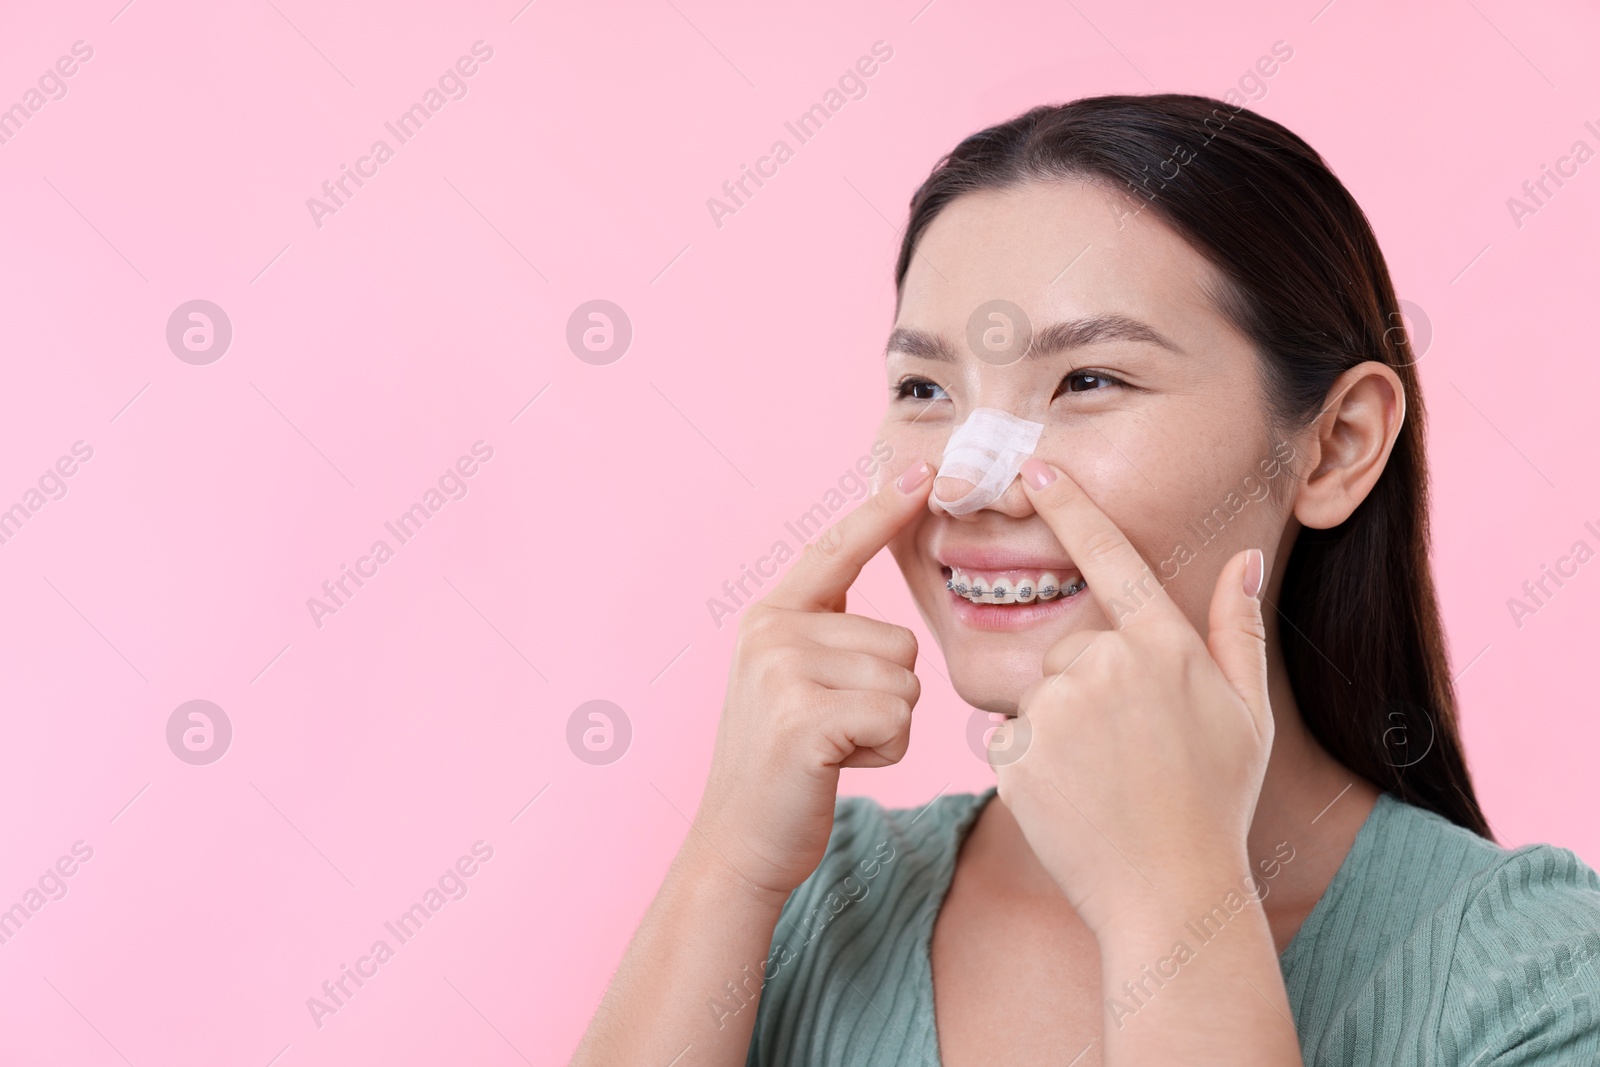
{"points": [[1137, 481], [1182, 500], [910, 441], [907, 549], [903, 547]]}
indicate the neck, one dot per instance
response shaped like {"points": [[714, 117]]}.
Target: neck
{"points": [[1311, 807]]}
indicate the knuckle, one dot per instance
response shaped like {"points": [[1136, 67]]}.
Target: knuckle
{"points": [[899, 713], [773, 673], [906, 644], [1254, 625], [795, 704], [786, 660], [1101, 544], [910, 685], [829, 544], [757, 622], [885, 506]]}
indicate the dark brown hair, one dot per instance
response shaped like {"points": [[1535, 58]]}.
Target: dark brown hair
{"points": [[1304, 279]]}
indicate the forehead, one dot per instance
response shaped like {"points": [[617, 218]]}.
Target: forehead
{"points": [[1059, 250]]}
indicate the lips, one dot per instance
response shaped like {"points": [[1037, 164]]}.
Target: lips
{"points": [[995, 559]]}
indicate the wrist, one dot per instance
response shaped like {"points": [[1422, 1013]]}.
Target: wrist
{"points": [[707, 872], [1195, 911]]}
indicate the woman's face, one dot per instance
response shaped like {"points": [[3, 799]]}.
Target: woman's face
{"points": [[1173, 444]]}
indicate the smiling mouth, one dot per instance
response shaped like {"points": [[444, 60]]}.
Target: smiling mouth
{"points": [[1011, 587]]}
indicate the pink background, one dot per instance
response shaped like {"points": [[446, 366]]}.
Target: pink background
{"points": [[368, 354]]}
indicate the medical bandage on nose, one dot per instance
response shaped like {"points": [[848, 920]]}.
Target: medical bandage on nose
{"points": [[987, 450]]}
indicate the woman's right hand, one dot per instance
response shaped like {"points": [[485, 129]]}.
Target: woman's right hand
{"points": [[812, 689]]}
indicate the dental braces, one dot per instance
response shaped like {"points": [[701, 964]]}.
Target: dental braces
{"points": [[1025, 593]]}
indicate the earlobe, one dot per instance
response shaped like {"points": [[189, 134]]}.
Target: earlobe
{"points": [[1354, 436]]}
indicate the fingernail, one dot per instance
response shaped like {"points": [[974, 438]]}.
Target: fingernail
{"points": [[1255, 566], [913, 477], [1038, 473]]}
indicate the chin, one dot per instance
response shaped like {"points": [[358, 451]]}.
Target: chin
{"points": [[994, 682], [1000, 705]]}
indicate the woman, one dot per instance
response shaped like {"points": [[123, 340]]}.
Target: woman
{"points": [[1234, 819]]}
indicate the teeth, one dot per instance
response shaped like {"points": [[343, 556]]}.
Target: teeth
{"points": [[1022, 590], [1048, 586]]}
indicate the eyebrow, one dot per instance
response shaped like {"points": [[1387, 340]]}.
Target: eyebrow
{"points": [[1052, 339]]}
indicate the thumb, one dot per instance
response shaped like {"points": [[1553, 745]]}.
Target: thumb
{"points": [[1237, 638]]}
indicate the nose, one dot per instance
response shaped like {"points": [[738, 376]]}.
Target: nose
{"points": [[1012, 501], [980, 463]]}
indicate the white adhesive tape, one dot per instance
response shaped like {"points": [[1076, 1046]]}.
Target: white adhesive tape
{"points": [[986, 450]]}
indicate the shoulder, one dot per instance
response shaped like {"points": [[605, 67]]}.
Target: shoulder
{"points": [[1524, 977], [1442, 941], [1498, 900]]}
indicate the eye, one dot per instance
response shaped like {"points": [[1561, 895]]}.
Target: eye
{"points": [[919, 389], [1085, 381]]}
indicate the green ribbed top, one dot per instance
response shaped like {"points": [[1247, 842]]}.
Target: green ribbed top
{"points": [[1430, 946]]}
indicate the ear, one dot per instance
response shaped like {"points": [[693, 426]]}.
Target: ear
{"points": [[1349, 443]]}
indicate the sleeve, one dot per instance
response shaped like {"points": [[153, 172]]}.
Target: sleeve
{"points": [[1524, 983]]}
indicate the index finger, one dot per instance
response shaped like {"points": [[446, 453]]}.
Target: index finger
{"points": [[1122, 582], [825, 570]]}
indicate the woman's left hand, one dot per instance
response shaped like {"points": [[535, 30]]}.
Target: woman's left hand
{"points": [[1146, 744]]}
